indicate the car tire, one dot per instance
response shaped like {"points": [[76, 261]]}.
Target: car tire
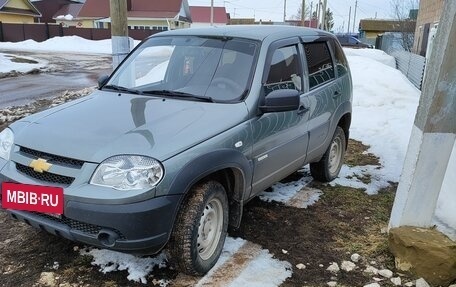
{"points": [[200, 229], [329, 166]]}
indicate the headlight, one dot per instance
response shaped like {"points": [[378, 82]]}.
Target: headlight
{"points": [[128, 172], [6, 142]]}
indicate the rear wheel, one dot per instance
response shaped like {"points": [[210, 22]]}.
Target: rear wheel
{"points": [[200, 229], [329, 166]]}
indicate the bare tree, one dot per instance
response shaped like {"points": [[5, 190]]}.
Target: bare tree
{"points": [[401, 10], [297, 16]]}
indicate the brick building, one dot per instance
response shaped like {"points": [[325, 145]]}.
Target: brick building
{"points": [[428, 20]]}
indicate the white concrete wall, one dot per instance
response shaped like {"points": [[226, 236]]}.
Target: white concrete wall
{"points": [[445, 215]]}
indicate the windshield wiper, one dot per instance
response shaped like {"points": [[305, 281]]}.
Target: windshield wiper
{"points": [[175, 94], [123, 89]]}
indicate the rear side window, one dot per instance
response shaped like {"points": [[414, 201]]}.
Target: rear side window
{"points": [[320, 64], [341, 61]]}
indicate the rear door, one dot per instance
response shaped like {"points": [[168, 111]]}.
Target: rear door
{"points": [[323, 95]]}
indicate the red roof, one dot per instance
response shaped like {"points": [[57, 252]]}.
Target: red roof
{"points": [[202, 14], [136, 8], [72, 9]]}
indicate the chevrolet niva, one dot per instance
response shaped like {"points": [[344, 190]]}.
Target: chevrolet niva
{"points": [[192, 125]]}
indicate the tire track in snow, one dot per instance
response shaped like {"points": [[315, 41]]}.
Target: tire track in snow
{"points": [[230, 270]]}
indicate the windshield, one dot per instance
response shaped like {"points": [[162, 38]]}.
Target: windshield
{"points": [[215, 68]]}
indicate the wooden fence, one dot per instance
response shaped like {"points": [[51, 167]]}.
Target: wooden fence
{"points": [[40, 32]]}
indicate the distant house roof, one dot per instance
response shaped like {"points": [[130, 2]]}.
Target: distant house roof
{"points": [[136, 9], [32, 11], [69, 9], [202, 14], [376, 25]]}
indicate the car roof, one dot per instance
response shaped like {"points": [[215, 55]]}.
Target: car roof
{"points": [[255, 32]]}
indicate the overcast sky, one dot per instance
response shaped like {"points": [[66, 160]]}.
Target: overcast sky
{"points": [[273, 9]]}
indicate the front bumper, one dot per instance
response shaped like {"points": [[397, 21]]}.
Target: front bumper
{"points": [[140, 228]]}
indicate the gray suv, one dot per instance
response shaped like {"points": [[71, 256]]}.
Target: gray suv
{"points": [[192, 125]]}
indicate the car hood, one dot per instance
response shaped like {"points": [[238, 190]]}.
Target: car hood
{"points": [[105, 124]]}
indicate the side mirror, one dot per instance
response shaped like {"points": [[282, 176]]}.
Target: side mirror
{"points": [[281, 101], [102, 80]]}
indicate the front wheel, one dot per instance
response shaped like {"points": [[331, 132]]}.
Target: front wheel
{"points": [[329, 166], [200, 229]]}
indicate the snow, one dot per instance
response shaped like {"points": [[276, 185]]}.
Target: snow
{"points": [[7, 65], [67, 17], [67, 44], [384, 107], [293, 193], [138, 268], [262, 270]]}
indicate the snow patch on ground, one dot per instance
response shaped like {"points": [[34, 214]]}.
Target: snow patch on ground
{"points": [[8, 64], [354, 176], [293, 193], [138, 268], [263, 270]]}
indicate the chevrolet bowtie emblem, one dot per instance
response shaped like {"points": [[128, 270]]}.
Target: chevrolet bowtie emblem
{"points": [[40, 165]]}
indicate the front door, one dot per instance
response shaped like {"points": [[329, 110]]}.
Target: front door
{"points": [[280, 139]]}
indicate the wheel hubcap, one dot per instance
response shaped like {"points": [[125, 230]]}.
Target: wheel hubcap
{"points": [[210, 228], [335, 155]]}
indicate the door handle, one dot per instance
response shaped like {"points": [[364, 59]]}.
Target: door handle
{"points": [[336, 94], [302, 110]]}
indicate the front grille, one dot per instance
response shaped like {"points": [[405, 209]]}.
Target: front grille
{"points": [[77, 225], [51, 158], [45, 176]]}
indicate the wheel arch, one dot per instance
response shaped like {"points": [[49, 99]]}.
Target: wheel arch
{"points": [[344, 123], [229, 167]]}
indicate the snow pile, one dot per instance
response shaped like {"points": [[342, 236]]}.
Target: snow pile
{"points": [[374, 54], [67, 44], [10, 63]]}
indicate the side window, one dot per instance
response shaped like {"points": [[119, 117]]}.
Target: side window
{"points": [[284, 72], [341, 61], [321, 69]]}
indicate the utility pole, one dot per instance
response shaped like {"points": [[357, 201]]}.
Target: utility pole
{"points": [[354, 17], [318, 14], [349, 18], [325, 3], [212, 12], [119, 31], [433, 135], [284, 10], [311, 16], [303, 13]]}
